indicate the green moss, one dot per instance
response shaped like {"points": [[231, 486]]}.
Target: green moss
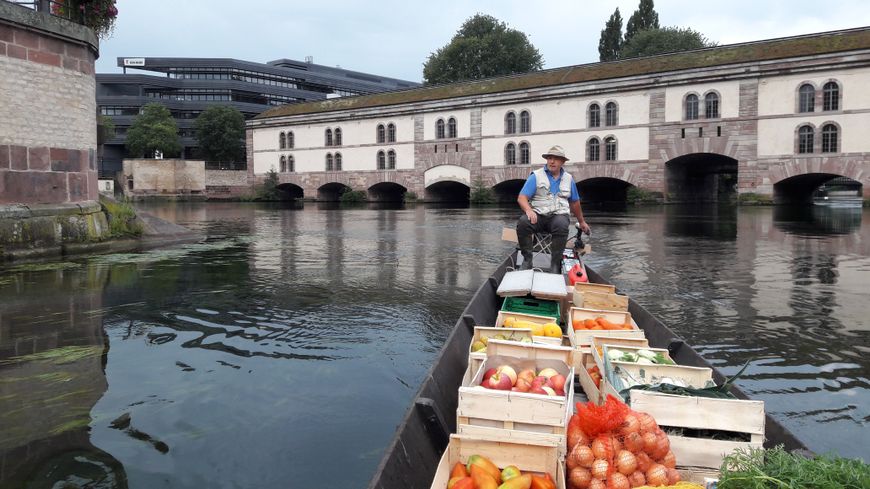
{"points": [[689, 60], [58, 356], [122, 218], [751, 198], [71, 425], [42, 267]]}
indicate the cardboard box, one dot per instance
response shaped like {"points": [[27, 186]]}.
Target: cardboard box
{"points": [[528, 457]]}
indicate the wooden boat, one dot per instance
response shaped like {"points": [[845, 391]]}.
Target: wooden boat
{"points": [[412, 457]]}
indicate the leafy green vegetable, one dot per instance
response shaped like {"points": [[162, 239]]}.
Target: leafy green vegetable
{"points": [[778, 469]]}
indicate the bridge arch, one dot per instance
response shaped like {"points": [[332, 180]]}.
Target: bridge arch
{"points": [[701, 177], [331, 192], [292, 190], [447, 173], [386, 192], [800, 189], [601, 190]]}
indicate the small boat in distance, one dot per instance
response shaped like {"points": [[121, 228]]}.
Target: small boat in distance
{"points": [[839, 193], [411, 459]]}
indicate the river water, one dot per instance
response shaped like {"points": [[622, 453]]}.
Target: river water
{"points": [[283, 349]]}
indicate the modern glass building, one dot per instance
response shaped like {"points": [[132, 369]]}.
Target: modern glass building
{"points": [[187, 86]]}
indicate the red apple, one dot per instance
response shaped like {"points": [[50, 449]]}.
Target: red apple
{"points": [[549, 390], [558, 382], [510, 372], [539, 381], [489, 373], [538, 390], [548, 372], [500, 382], [560, 392]]}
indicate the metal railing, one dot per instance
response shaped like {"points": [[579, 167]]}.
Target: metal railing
{"points": [[60, 9]]}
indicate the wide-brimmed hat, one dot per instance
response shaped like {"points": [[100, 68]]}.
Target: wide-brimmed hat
{"points": [[556, 151]]}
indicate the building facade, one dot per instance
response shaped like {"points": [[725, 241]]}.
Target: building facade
{"points": [[187, 86], [776, 118]]}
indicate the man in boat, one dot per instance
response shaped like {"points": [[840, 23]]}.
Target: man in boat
{"points": [[547, 199]]}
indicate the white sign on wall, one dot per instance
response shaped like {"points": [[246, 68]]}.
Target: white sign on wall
{"points": [[134, 61]]}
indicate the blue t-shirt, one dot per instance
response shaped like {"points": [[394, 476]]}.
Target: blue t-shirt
{"points": [[532, 183]]}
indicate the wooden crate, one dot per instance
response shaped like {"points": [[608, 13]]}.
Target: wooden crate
{"points": [[520, 411], [475, 359], [584, 361], [693, 376], [703, 455], [602, 300], [579, 288], [599, 359], [540, 457], [565, 340], [584, 336]]}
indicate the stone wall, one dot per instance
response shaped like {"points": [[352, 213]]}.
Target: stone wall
{"points": [[226, 184], [143, 178], [43, 230], [48, 131]]}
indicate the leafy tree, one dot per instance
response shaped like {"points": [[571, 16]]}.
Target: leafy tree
{"points": [[664, 40], [153, 130], [611, 38], [220, 131], [483, 47], [269, 190], [645, 17]]}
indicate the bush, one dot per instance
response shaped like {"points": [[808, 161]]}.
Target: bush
{"points": [[269, 189], [410, 197], [122, 218], [637, 195], [481, 194], [353, 196]]}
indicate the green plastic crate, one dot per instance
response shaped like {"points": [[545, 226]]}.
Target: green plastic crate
{"points": [[530, 305]]}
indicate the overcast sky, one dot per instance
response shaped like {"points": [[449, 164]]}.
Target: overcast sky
{"points": [[394, 38]]}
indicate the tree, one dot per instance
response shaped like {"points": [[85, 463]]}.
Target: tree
{"points": [[153, 130], [665, 40], [220, 131], [645, 17], [483, 47], [611, 38]]}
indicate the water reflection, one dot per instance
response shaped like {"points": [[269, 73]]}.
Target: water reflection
{"points": [[53, 353], [815, 220], [283, 349]]}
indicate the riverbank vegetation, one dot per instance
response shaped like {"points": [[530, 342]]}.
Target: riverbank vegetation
{"points": [[750, 198], [639, 196], [121, 217], [353, 197], [481, 194]]}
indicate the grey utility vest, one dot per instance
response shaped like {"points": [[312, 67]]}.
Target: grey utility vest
{"points": [[543, 202]]}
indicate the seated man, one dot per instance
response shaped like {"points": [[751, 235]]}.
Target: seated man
{"points": [[547, 197]]}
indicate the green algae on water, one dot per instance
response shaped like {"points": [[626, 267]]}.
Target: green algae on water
{"points": [[58, 356]]}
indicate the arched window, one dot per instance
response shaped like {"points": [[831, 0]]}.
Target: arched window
{"points": [[510, 154], [610, 149], [282, 141], [291, 140], [806, 98], [593, 150], [328, 137], [451, 128], [805, 139], [283, 161], [382, 133], [328, 161], [382, 160], [391, 160], [391, 133], [439, 129], [711, 106], [610, 114], [291, 164], [829, 138], [510, 123], [525, 121], [594, 115], [337, 137], [525, 154], [337, 161], [691, 107], [830, 97]]}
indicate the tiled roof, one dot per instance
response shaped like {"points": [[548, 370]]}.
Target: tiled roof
{"points": [[823, 43]]}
